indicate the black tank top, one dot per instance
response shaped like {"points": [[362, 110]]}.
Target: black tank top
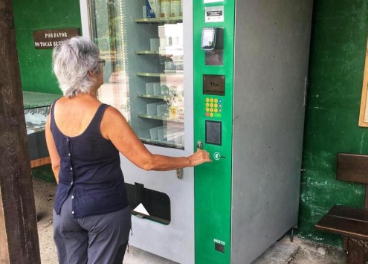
{"points": [[90, 169]]}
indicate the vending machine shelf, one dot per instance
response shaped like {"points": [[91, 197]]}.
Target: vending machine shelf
{"points": [[152, 52], [161, 118], [148, 96], [165, 144], [159, 20], [147, 52], [160, 75]]}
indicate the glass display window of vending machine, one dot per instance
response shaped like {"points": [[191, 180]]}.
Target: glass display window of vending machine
{"points": [[144, 69], [148, 76]]}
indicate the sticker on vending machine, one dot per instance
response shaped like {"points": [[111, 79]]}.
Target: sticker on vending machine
{"points": [[212, 1], [214, 14]]}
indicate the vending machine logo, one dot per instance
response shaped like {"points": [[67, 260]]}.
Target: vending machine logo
{"points": [[217, 156]]}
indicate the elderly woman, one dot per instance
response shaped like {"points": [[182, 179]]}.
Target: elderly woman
{"points": [[91, 213]]}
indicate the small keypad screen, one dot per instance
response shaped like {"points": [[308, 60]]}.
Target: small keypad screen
{"points": [[214, 84], [213, 132]]}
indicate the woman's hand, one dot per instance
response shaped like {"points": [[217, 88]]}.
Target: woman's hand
{"points": [[201, 156]]}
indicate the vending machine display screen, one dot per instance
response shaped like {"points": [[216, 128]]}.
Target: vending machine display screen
{"points": [[213, 132], [214, 84]]}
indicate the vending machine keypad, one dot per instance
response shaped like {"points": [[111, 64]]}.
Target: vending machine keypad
{"points": [[213, 107]]}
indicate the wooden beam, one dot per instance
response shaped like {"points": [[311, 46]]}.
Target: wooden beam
{"points": [[4, 253], [40, 162], [18, 213], [363, 104]]}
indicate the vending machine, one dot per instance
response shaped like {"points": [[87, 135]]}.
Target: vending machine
{"points": [[226, 76]]}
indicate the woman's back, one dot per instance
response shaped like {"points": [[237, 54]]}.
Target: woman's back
{"points": [[73, 115], [89, 163]]}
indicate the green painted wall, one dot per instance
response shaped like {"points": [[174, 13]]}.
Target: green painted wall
{"points": [[339, 38], [31, 15], [35, 65], [44, 173]]}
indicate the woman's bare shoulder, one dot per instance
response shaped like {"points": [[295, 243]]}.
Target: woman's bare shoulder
{"points": [[113, 113], [113, 118], [112, 121]]}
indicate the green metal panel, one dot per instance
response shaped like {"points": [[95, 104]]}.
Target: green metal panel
{"points": [[31, 15], [338, 50], [213, 180]]}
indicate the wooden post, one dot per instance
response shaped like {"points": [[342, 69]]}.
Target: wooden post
{"points": [[18, 224], [4, 253], [358, 250]]}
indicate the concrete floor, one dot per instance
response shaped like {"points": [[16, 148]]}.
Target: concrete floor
{"points": [[282, 252]]}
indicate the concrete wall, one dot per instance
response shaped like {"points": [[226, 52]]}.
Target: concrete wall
{"points": [[338, 47]]}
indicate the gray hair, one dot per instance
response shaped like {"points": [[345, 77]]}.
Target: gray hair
{"points": [[72, 60]]}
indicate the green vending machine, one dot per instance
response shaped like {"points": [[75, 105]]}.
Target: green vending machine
{"points": [[250, 81], [228, 76]]}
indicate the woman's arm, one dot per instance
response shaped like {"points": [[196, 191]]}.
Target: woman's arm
{"points": [[55, 159], [115, 127]]}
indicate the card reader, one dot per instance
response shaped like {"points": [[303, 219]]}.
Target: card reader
{"points": [[212, 39]]}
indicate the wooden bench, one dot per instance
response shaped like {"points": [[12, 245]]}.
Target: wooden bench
{"points": [[351, 223], [40, 162]]}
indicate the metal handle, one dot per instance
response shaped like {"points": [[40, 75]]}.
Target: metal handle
{"points": [[199, 144], [179, 174]]}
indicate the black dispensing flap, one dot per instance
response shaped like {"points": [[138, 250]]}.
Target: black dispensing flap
{"points": [[157, 204]]}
